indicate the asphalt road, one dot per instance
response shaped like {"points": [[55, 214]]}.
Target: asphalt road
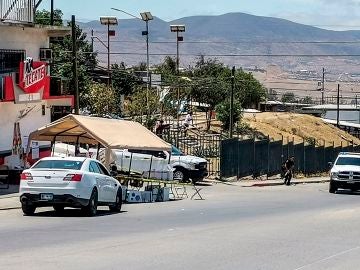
{"points": [[298, 227]]}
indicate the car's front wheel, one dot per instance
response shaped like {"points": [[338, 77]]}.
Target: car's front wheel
{"points": [[28, 209], [91, 209], [116, 207], [181, 175], [332, 187]]}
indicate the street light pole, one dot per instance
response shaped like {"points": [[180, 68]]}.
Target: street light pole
{"points": [[232, 101], [146, 17], [147, 67], [177, 53], [108, 20], [108, 54], [323, 87], [177, 29]]}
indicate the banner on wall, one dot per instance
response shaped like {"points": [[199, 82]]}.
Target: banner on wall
{"points": [[33, 75]]}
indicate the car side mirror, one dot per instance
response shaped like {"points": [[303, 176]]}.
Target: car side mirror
{"points": [[330, 164]]}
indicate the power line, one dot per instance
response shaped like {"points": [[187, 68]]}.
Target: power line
{"points": [[238, 42], [234, 55]]}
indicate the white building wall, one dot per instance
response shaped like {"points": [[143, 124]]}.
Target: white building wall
{"points": [[33, 119], [30, 39]]}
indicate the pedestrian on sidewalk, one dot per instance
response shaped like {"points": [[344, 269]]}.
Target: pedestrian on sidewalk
{"points": [[289, 166]]}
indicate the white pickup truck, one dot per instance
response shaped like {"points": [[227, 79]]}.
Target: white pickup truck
{"points": [[182, 167]]}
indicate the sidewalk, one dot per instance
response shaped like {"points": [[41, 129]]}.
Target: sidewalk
{"points": [[279, 182], [9, 198]]}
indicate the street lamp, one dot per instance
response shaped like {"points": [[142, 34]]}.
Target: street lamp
{"points": [[146, 16], [108, 20], [178, 29]]}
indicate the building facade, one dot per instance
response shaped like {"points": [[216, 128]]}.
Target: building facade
{"points": [[29, 96]]}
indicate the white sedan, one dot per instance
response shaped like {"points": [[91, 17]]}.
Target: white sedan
{"points": [[69, 182]]}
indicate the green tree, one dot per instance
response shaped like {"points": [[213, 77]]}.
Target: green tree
{"points": [[288, 97], [62, 62], [137, 107], [101, 99], [248, 90], [272, 95], [307, 100], [223, 113], [124, 83], [43, 17]]}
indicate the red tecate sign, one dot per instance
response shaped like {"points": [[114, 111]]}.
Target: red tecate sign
{"points": [[32, 75]]}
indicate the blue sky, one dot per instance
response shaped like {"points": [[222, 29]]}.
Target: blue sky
{"points": [[337, 14]]}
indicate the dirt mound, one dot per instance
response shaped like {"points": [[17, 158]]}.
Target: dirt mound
{"points": [[298, 127]]}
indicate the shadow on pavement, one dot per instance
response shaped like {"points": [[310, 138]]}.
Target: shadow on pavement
{"points": [[348, 192], [73, 213]]}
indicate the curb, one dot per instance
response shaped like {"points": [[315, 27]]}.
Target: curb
{"points": [[10, 208], [281, 183]]}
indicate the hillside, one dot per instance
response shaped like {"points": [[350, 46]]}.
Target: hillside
{"points": [[232, 33], [298, 127]]}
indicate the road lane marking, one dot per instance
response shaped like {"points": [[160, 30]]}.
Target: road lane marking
{"points": [[328, 258]]}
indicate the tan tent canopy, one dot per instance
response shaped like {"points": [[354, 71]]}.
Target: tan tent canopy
{"points": [[110, 133]]}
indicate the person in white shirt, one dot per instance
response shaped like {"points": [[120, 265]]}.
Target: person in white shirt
{"points": [[188, 120]]}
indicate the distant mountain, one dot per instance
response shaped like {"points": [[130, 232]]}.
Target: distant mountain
{"points": [[234, 34]]}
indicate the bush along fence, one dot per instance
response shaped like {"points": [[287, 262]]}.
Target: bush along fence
{"points": [[243, 158]]}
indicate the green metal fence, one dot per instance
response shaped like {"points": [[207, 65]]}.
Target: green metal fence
{"points": [[242, 158]]}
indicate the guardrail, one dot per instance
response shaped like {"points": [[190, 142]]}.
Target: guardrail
{"points": [[17, 10]]}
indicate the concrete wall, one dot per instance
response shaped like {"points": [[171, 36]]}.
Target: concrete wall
{"points": [[10, 113], [29, 39]]}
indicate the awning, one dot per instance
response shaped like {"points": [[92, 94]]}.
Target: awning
{"points": [[110, 133]]}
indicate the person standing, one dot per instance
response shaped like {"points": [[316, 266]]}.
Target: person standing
{"points": [[289, 166], [187, 122]]}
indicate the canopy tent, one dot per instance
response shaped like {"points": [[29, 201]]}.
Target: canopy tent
{"points": [[110, 133]]}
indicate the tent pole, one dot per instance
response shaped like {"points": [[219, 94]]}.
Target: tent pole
{"points": [[98, 151], [53, 146], [131, 156], [150, 166], [77, 150]]}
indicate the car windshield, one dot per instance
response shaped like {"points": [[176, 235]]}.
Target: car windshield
{"points": [[175, 151], [348, 161], [58, 164]]}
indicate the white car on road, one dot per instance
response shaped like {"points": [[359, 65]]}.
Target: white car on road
{"points": [[77, 182]]}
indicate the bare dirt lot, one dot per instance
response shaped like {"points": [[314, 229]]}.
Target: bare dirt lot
{"points": [[298, 127]]}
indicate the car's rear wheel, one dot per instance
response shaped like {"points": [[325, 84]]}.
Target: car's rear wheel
{"points": [[28, 209], [59, 208], [91, 209], [116, 207], [332, 187]]}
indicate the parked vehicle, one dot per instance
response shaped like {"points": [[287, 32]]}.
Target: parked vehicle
{"points": [[77, 182], [163, 164], [345, 172]]}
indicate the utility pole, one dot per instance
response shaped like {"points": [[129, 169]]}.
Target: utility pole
{"points": [[74, 66], [232, 101], [92, 40], [147, 68], [323, 87], [108, 54], [338, 106], [52, 12]]}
